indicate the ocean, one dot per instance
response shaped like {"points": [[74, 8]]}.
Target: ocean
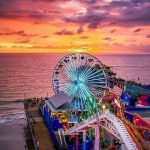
{"points": [[30, 75]]}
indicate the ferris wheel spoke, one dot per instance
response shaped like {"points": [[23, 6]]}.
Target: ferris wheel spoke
{"points": [[65, 77], [94, 82], [92, 78], [70, 73], [81, 60], [82, 72], [76, 65], [70, 64], [87, 67], [83, 96], [97, 91], [97, 73], [74, 69], [93, 73], [64, 85], [99, 87], [64, 81], [85, 70], [82, 92], [69, 70], [96, 76], [67, 89], [86, 75], [86, 90], [61, 87], [71, 90], [88, 70]]}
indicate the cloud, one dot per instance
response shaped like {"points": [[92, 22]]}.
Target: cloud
{"points": [[80, 30], [140, 48], [23, 41], [94, 13], [84, 37], [148, 36], [64, 32], [44, 36], [108, 39], [113, 30], [35, 10], [137, 30], [91, 17], [119, 13], [19, 33]]}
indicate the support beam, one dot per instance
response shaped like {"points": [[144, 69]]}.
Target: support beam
{"points": [[84, 140], [97, 138], [77, 141]]}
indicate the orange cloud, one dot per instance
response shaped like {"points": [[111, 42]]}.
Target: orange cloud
{"points": [[45, 26]]}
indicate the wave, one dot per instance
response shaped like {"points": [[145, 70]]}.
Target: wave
{"points": [[12, 101], [11, 117], [12, 108]]}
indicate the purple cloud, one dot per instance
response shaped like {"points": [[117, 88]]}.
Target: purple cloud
{"points": [[98, 13], [120, 13], [43, 10], [80, 30], [91, 17], [64, 32]]}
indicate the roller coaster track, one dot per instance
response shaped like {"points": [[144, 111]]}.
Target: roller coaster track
{"points": [[136, 136], [113, 125]]}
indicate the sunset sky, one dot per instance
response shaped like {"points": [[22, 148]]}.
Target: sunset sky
{"points": [[102, 26]]}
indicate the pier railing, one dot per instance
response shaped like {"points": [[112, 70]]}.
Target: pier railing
{"points": [[30, 128]]}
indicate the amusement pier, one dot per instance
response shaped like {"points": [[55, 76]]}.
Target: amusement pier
{"points": [[91, 109]]}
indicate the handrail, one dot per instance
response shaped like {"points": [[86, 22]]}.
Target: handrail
{"points": [[125, 136], [133, 137]]}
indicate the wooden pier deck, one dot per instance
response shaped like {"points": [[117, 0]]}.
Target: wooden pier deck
{"points": [[40, 134]]}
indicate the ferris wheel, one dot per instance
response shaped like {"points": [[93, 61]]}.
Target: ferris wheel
{"points": [[80, 75]]}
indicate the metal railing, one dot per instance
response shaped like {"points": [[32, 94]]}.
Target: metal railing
{"points": [[85, 122], [121, 129]]}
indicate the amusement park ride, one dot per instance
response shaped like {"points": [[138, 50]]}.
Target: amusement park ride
{"points": [[87, 111]]}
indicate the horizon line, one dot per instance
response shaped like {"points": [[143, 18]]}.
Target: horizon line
{"points": [[79, 52]]}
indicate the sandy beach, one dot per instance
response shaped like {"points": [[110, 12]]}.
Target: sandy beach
{"points": [[12, 135]]}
